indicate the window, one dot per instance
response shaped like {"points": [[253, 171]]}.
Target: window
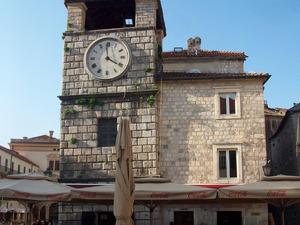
{"points": [[227, 164], [98, 15], [107, 132], [51, 165], [12, 166], [6, 164], [24, 169], [19, 168], [29, 170], [56, 165], [227, 103], [227, 160]]}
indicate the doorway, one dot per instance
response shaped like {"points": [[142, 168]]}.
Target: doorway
{"points": [[106, 218], [183, 218], [229, 218]]}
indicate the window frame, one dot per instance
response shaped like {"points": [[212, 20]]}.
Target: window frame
{"points": [[6, 165], [239, 169], [227, 90]]}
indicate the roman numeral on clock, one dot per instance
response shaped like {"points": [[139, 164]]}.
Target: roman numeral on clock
{"points": [[120, 65]]}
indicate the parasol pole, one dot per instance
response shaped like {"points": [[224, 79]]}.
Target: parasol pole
{"points": [[282, 210]]}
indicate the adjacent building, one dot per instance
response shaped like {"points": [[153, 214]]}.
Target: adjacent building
{"points": [[42, 150], [285, 144], [196, 116], [285, 153], [273, 118], [11, 162]]}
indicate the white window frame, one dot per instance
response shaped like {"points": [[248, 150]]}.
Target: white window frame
{"points": [[227, 90], [227, 148]]}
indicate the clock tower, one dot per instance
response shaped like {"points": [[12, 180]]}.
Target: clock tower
{"points": [[112, 49]]}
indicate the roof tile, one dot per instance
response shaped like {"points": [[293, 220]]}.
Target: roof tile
{"points": [[205, 53]]}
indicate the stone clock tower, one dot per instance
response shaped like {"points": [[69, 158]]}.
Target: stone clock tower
{"points": [[112, 51]]}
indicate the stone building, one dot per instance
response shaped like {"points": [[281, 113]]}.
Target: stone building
{"points": [[285, 144], [285, 154], [196, 116], [42, 150], [273, 118]]}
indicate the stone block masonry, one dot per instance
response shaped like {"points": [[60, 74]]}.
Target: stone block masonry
{"points": [[191, 130], [126, 96]]}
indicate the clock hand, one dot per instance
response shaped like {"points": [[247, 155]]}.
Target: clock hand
{"points": [[112, 60]]}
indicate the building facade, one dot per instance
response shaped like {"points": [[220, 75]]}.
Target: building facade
{"points": [[11, 162], [196, 116], [42, 150], [285, 144], [285, 153]]}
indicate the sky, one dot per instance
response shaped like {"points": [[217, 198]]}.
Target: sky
{"points": [[31, 45]]}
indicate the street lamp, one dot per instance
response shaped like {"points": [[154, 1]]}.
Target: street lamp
{"points": [[267, 169]]}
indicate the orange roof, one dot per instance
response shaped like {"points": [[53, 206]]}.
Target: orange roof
{"points": [[205, 53], [43, 139]]}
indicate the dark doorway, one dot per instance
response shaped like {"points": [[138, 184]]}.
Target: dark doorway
{"points": [[106, 218], [229, 218], [88, 218], [183, 218]]}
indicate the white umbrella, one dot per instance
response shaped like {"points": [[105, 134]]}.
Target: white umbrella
{"points": [[124, 182], [148, 192], [280, 191], [35, 190]]}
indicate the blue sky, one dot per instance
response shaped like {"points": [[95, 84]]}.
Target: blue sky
{"points": [[268, 31]]}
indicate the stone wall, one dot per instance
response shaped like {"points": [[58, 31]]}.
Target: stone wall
{"points": [[190, 130], [284, 155], [204, 65], [253, 213], [71, 214]]}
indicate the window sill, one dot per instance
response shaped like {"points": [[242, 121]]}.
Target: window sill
{"points": [[228, 181], [228, 117]]}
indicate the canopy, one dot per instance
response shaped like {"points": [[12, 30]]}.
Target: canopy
{"points": [[277, 187], [35, 190], [31, 176], [148, 191], [280, 191]]}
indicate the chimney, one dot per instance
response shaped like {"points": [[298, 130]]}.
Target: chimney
{"points": [[194, 44], [51, 133]]}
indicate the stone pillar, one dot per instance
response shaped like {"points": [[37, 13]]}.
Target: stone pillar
{"points": [[145, 15], [76, 16], [47, 211]]}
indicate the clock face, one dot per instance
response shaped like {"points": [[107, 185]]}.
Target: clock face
{"points": [[107, 58]]}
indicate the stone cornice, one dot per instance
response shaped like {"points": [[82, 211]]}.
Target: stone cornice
{"points": [[113, 96]]}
